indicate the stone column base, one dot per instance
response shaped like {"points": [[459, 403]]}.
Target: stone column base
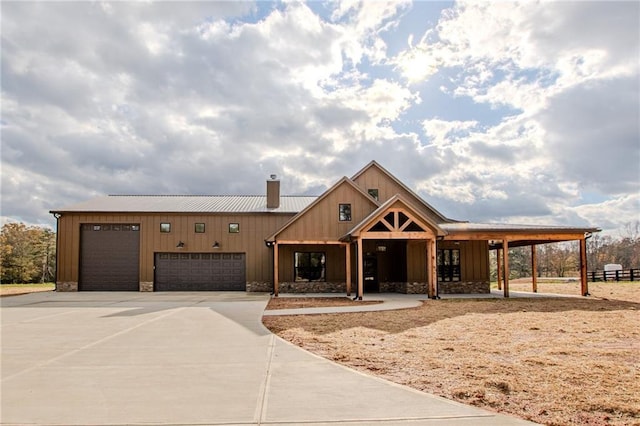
{"points": [[66, 286], [146, 285]]}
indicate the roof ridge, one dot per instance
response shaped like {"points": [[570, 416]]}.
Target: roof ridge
{"points": [[204, 195]]}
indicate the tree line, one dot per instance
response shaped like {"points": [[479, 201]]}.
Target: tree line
{"points": [[563, 259], [28, 254]]}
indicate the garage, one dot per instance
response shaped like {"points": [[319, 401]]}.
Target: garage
{"points": [[200, 272], [109, 257]]}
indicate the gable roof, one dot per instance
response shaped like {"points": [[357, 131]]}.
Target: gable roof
{"points": [[344, 180], [382, 211], [187, 204], [375, 164]]}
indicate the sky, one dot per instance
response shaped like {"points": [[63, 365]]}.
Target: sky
{"points": [[523, 113]]}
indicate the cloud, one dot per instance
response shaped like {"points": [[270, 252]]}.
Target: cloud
{"points": [[492, 111]]}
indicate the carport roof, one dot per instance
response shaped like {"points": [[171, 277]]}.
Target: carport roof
{"points": [[187, 204]]}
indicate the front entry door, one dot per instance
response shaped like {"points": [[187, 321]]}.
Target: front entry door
{"points": [[370, 273]]}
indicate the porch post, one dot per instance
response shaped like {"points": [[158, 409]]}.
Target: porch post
{"points": [[584, 283], [505, 258], [499, 261], [360, 269], [534, 268], [275, 269], [432, 264], [347, 251]]}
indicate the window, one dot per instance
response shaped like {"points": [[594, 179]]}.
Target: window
{"points": [[165, 227], [449, 265], [374, 193], [199, 229], [234, 228], [344, 212], [309, 266]]}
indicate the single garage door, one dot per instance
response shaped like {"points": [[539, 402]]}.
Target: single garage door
{"points": [[109, 257], [200, 272]]}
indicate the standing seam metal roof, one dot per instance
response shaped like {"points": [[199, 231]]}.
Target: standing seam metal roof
{"points": [[188, 204]]}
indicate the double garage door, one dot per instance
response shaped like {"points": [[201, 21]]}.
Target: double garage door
{"points": [[200, 272]]}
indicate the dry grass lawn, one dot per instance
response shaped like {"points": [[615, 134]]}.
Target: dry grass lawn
{"points": [[553, 361], [16, 289]]}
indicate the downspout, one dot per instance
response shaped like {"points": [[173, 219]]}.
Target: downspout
{"points": [[57, 216]]}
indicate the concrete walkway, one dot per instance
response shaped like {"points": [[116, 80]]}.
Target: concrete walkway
{"points": [[186, 358]]}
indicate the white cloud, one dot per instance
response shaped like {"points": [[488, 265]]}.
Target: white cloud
{"points": [[494, 112]]}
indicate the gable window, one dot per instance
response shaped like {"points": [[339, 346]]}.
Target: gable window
{"points": [[309, 266], [234, 228], [199, 228], [449, 265], [165, 227], [344, 212], [374, 193]]}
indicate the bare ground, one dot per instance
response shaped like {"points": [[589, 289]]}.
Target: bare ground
{"points": [[553, 361], [314, 302]]}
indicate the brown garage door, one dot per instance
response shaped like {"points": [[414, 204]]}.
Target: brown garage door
{"points": [[109, 257], [200, 272]]}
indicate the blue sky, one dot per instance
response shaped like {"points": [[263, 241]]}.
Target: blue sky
{"points": [[492, 111]]}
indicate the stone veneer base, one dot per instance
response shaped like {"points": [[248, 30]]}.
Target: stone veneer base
{"points": [[146, 285], [464, 287], [66, 286]]}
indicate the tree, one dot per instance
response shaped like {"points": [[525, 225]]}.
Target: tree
{"points": [[28, 253]]}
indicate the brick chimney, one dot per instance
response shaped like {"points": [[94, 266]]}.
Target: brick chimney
{"points": [[273, 193]]}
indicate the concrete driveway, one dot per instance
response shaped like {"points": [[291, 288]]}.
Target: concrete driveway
{"points": [[185, 358]]}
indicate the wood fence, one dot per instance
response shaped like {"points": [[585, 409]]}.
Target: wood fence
{"points": [[621, 275]]}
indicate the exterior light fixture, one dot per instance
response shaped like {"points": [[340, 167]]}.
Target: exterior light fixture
{"points": [[180, 245], [216, 245]]}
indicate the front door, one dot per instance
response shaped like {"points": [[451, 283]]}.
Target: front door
{"points": [[370, 274]]}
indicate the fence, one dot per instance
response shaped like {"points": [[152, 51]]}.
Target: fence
{"points": [[621, 275]]}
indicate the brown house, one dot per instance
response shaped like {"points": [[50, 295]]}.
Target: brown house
{"points": [[368, 233]]}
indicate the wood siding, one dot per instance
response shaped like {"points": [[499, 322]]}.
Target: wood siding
{"points": [[474, 258], [374, 178], [321, 223], [335, 262], [254, 228]]}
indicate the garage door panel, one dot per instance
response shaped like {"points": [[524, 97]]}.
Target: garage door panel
{"points": [[200, 272], [109, 257]]}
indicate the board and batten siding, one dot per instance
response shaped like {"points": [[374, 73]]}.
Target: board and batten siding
{"points": [[254, 228], [474, 258], [321, 222], [374, 178]]}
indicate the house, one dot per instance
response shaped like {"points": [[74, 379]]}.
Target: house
{"points": [[367, 233]]}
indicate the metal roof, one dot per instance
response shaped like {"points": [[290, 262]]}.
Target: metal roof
{"points": [[188, 204], [505, 227]]}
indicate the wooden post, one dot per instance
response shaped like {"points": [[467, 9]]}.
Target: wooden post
{"points": [[584, 287], [499, 261], [347, 251], [275, 270], [360, 269], [432, 265], [505, 258], [534, 269]]}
